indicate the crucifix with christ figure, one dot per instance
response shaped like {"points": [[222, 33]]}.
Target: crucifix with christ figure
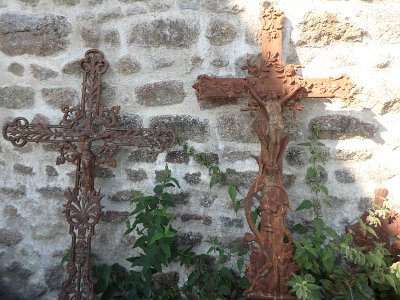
{"points": [[270, 88], [88, 136]]}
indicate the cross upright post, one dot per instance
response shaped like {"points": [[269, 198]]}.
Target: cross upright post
{"points": [[270, 88], [87, 136]]}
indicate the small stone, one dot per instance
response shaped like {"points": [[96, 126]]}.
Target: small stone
{"points": [[232, 222], [51, 171], [67, 2], [296, 156], [91, 37], [16, 69], [38, 34], [186, 217], [112, 38], [57, 97], [122, 196], [17, 268], [55, 276], [288, 180], [16, 97], [220, 62], [380, 173], [209, 157], [30, 2], [321, 29], [42, 73], [177, 157], [127, 65], [236, 128], [9, 237], [358, 155], [131, 121], [344, 176], [339, 127], [110, 15], [136, 175], [364, 204], [10, 212], [196, 60], [73, 68], [192, 178], [104, 173], [51, 192], [160, 6], [236, 156], [143, 155], [17, 192], [221, 32], [136, 9], [160, 93], [108, 93], [220, 6], [165, 282], [47, 231], [188, 239], [114, 216], [180, 198], [163, 63], [207, 199], [242, 179], [22, 169], [170, 33], [184, 127], [392, 106]]}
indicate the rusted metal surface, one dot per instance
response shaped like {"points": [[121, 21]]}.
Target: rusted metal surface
{"points": [[87, 136], [270, 88], [388, 233]]}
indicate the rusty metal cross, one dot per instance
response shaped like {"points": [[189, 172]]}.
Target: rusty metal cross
{"points": [[269, 88], [87, 136]]}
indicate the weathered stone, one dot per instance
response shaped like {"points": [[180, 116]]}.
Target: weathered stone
{"points": [[180, 198], [221, 6], [359, 155], [380, 173], [288, 180], [67, 2], [338, 127], [253, 34], [364, 204], [47, 231], [160, 93], [321, 29], [236, 155], [207, 199], [296, 156], [136, 9], [57, 97], [17, 268], [112, 38], [55, 276], [73, 68], [242, 179], [230, 242], [42, 73], [177, 157], [16, 97], [165, 282], [108, 93], [220, 62], [51, 171], [35, 289], [10, 212], [322, 178], [127, 65], [122, 196], [392, 106], [188, 239], [114, 216], [170, 33], [16, 192], [187, 217], [30, 2], [143, 155], [221, 32], [344, 176], [163, 62], [101, 172], [24, 170], [236, 128], [185, 127], [16, 68], [136, 175], [9, 237], [210, 157], [40, 34], [232, 222], [193, 178], [51, 192], [130, 121], [91, 36], [110, 15], [160, 6]]}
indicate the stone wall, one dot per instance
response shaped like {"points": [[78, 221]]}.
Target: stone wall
{"points": [[156, 49]]}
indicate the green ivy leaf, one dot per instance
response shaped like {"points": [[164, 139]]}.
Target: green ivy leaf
{"points": [[300, 229], [157, 236], [232, 191], [306, 204], [213, 180], [166, 249]]}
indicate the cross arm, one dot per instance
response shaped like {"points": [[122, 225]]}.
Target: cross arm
{"points": [[213, 88]]}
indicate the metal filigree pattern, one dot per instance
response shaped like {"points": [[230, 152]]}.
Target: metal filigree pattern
{"points": [[87, 136], [270, 88]]}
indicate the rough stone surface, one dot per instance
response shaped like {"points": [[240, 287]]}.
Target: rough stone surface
{"points": [[51, 192], [321, 29], [101, 172], [185, 127], [67, 2], [322, 178], [72, 68], [15, 97], [108, 93], [91, 36], [42, 73], [136, 175], [380, 173], [187, 217], [127, 65], [143, 155], [160, 93], [57, 97], [289, 180], [222, 6], [242, 179], [338, 127], [207, 199], [47, 231], [23, 170], [9, 237], [232, 222], [220, 62], [177, 157], [344, 176], [193, 178], [163, 62], [296, 156], [180, 198], [236, 155], [188, 239], [360, 155], [114, 216], [14, 192], [16, 68], [130, 121], [112, 38], [40, 34], [10, 212], [51, 171], [236, 128], [209, 157], [121, 196], [55, 276], [221, 32]]}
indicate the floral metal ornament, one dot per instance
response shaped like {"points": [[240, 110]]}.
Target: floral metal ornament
{"points": [[88, 136], [270, 88]]}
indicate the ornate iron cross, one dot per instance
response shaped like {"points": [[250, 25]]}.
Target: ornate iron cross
{"points": [[87, 136], [270, 88]]}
